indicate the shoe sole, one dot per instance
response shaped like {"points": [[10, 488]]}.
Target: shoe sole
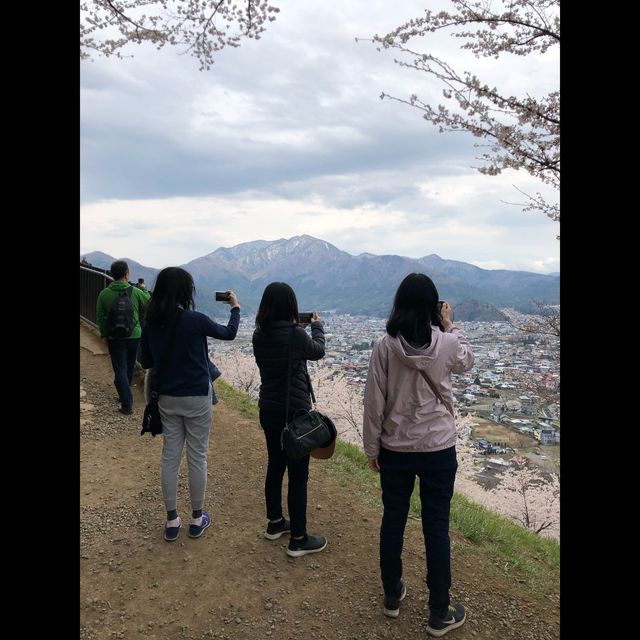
{"points": [[197, 535], [438, 633], [304, 552], [275, 536], [394, 613]]}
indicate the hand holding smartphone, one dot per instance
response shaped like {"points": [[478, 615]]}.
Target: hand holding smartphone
{"points": [[227, 297], [446, 312]]}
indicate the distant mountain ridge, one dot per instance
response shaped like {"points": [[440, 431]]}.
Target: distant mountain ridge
{"points": [[327, 278]]}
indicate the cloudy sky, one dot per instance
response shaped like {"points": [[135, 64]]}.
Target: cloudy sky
{"points": [[287, 135]]}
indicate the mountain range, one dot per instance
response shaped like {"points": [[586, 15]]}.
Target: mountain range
{"points": [[326, 278]]}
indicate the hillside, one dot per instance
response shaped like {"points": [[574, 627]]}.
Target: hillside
{"points": [[232, 584]]}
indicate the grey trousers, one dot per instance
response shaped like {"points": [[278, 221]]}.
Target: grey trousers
{"points": [[185, 418]]}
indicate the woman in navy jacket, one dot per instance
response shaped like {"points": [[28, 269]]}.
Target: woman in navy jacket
{"points": [[184, 387]]}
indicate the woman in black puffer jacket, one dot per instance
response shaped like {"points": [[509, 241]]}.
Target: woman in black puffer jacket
{"points": [[279, 335]]}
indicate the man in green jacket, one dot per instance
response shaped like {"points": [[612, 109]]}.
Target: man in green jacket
{"points": [[123, 349]]}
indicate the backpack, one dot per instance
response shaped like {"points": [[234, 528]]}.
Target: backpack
{"points": [[120, 322]]}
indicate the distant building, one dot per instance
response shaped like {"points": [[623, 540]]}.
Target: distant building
{"points": [[468, 398], [549, 436]]}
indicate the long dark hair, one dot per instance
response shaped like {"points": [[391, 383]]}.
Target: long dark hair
{"points": [[415, 309], [173, 289], [278, 302]]}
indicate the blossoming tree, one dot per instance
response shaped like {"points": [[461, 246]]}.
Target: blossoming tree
{"points": [[340, 400], [239, 369], [201, 27], [523, 132]]}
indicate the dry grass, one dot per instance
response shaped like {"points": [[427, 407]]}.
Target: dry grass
{"points": [[499, 433]]}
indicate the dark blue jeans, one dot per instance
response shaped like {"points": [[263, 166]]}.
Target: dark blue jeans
{"points": [[272, 423], [123, 360], [398, 471]]}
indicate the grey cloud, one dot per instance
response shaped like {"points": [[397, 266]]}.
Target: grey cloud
{"points": [[128, 163], [135, 134]]}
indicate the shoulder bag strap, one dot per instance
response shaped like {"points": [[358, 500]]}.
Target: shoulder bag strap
{"points": [[436, 392], [306, 372], [286, 411]]}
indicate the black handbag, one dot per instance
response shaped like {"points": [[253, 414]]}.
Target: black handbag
{"points": [[309, 431], [151, 421]]}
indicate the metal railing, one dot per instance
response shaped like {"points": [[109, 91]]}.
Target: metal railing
{"points": [[92, 281]]}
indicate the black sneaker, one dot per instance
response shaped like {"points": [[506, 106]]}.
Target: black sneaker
{"points": [[276, 529], [126, 410], [439, 626], [308, 544], [392, 604]]}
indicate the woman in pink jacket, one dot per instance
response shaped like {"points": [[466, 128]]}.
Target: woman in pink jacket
{"points": [[409, 430]]}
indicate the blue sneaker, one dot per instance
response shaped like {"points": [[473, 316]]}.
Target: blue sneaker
{"points": [[196, 531], [172, 533]]}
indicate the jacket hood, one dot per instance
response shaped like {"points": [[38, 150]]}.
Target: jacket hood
{"points": [[119, 285], [417, 358]]}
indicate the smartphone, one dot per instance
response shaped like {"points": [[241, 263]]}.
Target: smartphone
{"points": [[222, 296], [305, 318]]}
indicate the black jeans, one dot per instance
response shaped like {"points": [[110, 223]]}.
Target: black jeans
{"points": [[272, 423], [123, 359], [437, 471]]}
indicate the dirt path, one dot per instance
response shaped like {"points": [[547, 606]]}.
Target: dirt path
{"points": [[234, 584]]}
